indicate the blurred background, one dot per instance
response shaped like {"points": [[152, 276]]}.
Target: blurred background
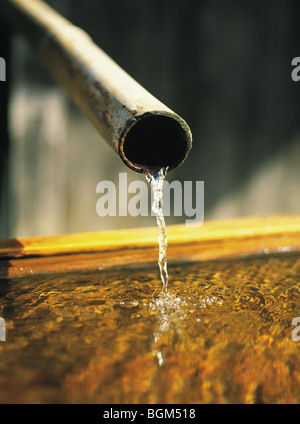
{"points": [[223, 65]]}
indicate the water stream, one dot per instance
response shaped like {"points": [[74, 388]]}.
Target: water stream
{"points": [[156, 180]]}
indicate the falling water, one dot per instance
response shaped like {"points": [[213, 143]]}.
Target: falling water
{"points": [[156, 179]]}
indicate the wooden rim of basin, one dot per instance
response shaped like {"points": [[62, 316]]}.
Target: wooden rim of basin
{"points": [[135, 247]]}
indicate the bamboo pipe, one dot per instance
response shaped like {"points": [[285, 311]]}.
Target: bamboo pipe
{"points": [[143, 131]]}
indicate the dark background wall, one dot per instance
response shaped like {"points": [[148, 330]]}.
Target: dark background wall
{"points": [[223, 65]]}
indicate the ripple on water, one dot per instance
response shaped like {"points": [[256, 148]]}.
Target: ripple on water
{"points": [[222, 333]]}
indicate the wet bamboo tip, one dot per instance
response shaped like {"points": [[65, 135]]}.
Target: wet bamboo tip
{"points": [[155, 140]]}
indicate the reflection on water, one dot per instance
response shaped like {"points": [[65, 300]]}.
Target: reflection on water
{"points": [[221, 334]]}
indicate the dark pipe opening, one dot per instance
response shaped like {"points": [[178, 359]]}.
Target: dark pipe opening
{"points": [[156, 141]]}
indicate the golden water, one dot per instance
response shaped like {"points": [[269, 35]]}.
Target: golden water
{"points": [[222, 334], [156, 180]]}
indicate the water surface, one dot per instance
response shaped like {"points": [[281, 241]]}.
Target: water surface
{"points": [[221, 334]]}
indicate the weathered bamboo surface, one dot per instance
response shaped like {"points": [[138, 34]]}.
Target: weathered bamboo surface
{"points": [[112, 100], [212, 240]]}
